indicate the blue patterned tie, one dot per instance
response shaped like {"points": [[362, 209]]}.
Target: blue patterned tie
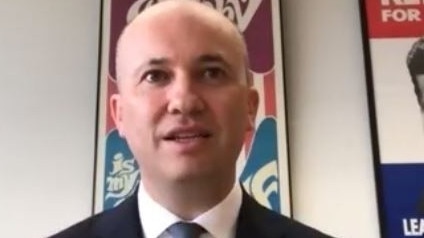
{"points": [[185, 230]]}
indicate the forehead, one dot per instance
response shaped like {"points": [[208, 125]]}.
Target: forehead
{"points": [[184, 14], [179, 34]]}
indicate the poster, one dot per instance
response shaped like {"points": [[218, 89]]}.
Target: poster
{"points": [[263, 162], [394, 31]]}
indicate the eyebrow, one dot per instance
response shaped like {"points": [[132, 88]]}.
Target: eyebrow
{"points": [[213, 58], [156, 61], [151, 62], [205, 58]]}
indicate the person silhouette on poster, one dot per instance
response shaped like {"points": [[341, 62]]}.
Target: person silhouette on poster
{"points": [[415, 63]]}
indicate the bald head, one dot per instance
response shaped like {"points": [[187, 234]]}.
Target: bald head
{"points": [[184, 17], [190, 7]]}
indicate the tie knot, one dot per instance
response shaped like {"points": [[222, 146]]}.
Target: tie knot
{"points": [[185, 230]]}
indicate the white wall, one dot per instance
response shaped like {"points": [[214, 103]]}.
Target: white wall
{"points": [[48, 76], [331, 159]]}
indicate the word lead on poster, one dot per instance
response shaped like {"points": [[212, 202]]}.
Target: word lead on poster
{"points": [[413, 227]]}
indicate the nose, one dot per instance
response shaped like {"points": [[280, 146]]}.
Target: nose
{"points": [[184, 97]]}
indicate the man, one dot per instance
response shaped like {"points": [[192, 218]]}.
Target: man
{"points": [[415, 63], [184, 105]]}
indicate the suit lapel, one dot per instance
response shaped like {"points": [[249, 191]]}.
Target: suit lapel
{"points": [[122, 221], [256, 221], [246, 226]]}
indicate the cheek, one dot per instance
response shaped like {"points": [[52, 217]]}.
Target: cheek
{"points": [[231, 111], [140, 113], [140, 123]]}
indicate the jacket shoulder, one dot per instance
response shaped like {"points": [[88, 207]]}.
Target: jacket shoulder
{"points": [[121, 221], [83, 229], [259, 220]]}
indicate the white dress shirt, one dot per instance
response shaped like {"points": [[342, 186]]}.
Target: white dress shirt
{"points": [[219, 221]]}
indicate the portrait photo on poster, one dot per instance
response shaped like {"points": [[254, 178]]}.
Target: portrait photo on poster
{"points": [[393, 34]]}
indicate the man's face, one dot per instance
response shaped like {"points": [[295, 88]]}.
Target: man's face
{"points": [[184, 104], [420, 82]]}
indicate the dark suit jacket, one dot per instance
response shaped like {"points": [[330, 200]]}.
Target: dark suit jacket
{"points": [[254, 221]]}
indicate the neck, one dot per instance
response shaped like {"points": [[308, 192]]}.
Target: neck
{"points": [[188, 200]]}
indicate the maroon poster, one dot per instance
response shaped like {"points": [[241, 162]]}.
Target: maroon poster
{"points": [[263, 161]]}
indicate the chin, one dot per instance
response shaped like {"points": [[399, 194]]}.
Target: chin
{"points": [[188, 173]]}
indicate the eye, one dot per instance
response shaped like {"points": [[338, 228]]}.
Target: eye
{"points": [[214, 73], [155, 76]]}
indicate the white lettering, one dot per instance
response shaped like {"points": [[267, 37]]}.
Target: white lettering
{"points": [[400, 15], [128, 166], [401, 2], [413, 227], [414, 15], [115, 183]]}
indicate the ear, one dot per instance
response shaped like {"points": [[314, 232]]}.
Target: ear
{"points": [[252, 107], [115, 104]]}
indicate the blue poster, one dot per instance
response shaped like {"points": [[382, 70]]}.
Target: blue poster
{"points": [[403, 199]]}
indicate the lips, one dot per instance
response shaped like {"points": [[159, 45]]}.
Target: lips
{"points": [[187, 134]]}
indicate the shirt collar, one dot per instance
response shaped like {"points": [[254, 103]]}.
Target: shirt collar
{"points": [[219, 221], [153, 216]]}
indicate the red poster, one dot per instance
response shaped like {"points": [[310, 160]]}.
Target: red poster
{"points": [[395, 47]]}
